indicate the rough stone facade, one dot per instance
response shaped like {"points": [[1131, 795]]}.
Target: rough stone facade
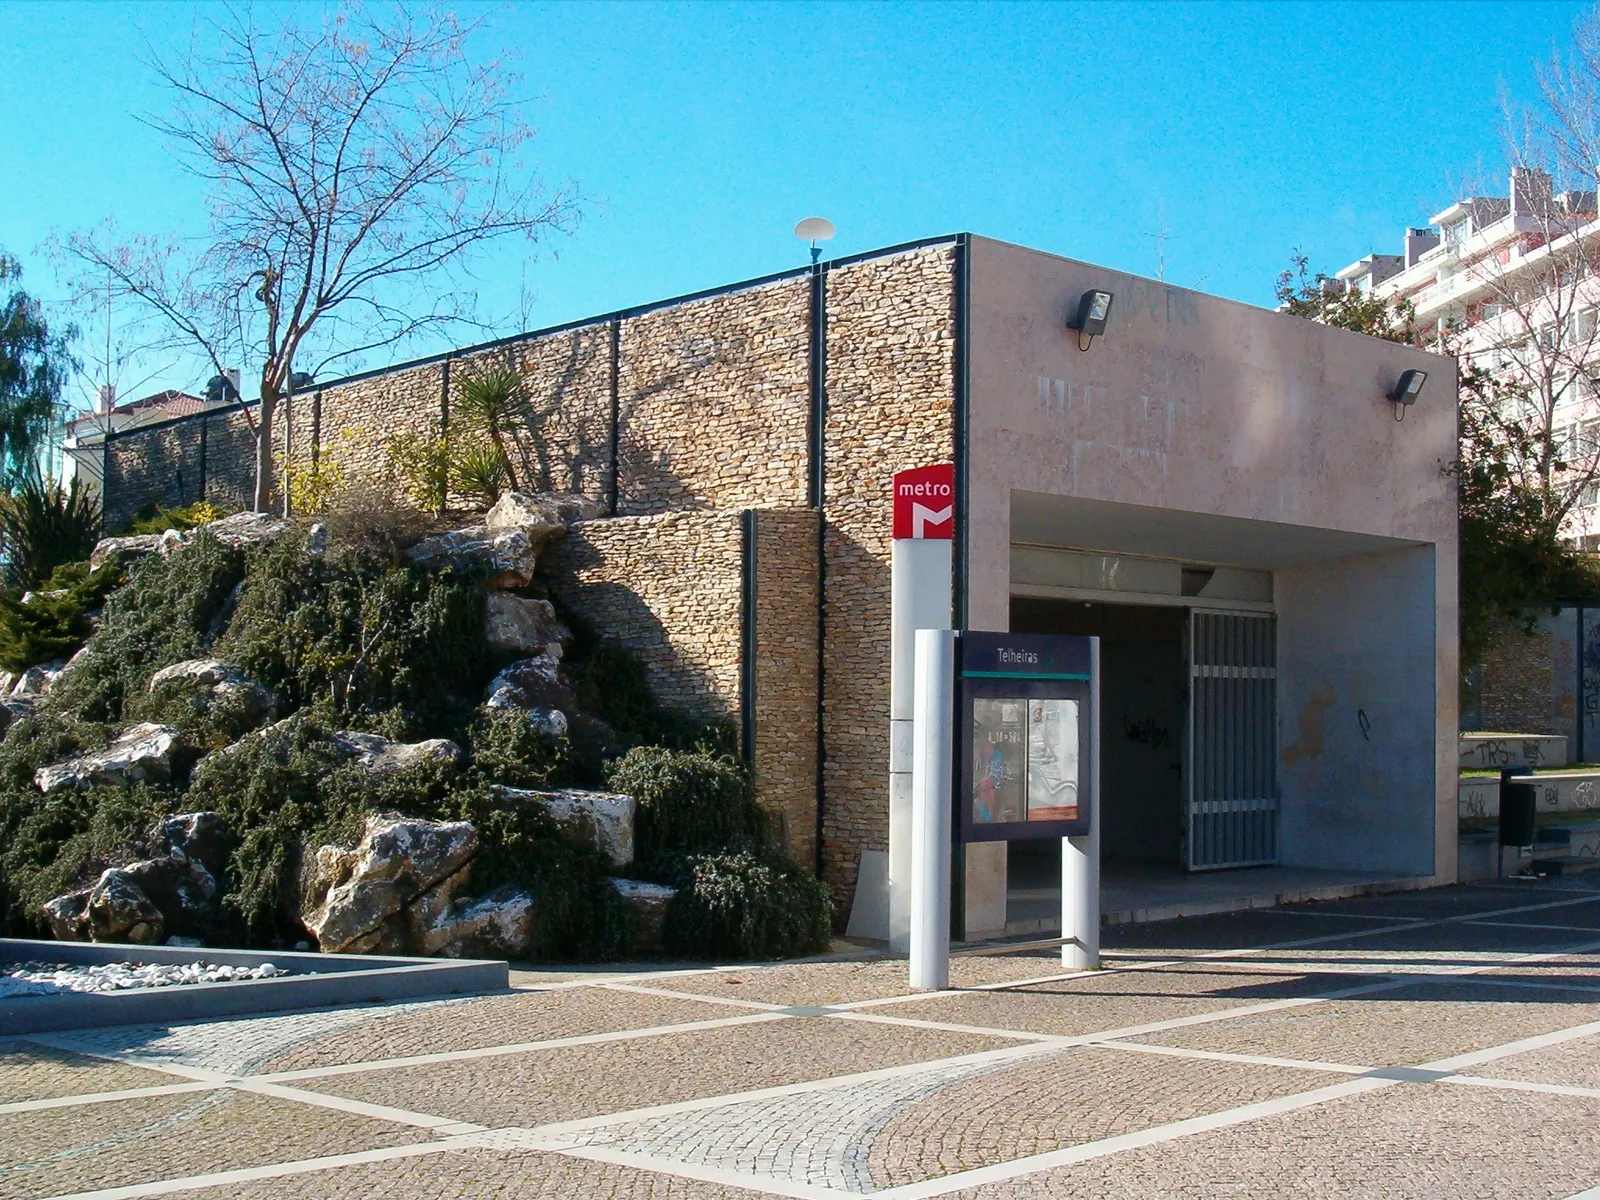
{"points": [[670, 588], [713, 402], [891, 396], [1516, 685], [709, 404], [209, 457], [785, 680]]}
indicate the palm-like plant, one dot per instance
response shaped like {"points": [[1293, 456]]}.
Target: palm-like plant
{"points": [[44, 526], [493, 401]]}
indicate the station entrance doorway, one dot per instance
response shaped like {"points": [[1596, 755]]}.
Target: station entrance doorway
{"points": [[1188, 737]]}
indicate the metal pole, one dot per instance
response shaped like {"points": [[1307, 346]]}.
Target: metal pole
{"points": [[1080, 856], [932, 747]]}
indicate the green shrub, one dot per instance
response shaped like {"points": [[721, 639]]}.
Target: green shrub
{"points": [[356, 635], [43, 526], [65, 840], [747, 906], [690, 802], [54, 626], [168, 612], [153, 518], [507, 749]]}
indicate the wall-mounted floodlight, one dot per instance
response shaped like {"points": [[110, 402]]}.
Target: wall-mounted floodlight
{"points": [[1406, 390], [814, 230], [1094, 310]]}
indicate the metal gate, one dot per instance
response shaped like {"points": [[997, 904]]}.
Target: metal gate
{"points": [[1231, 751]]}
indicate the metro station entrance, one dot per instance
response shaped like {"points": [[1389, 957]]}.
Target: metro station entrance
{"points": [[1188, 737]]}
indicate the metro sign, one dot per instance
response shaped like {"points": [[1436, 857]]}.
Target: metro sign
{"points": [[925, 502]]}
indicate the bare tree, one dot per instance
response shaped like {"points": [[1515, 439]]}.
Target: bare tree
{"points": [[352, 170]]}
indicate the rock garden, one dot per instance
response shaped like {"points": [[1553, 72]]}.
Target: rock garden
{"points": [[366, 735]]}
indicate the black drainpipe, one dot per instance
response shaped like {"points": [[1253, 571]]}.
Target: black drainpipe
{"points": [[747, 640], [958, 557], [1582, 717], [612, 474], [816, 483]]}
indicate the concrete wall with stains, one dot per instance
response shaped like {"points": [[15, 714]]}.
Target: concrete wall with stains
{"points": [[1357, 705], [1226, 413]]}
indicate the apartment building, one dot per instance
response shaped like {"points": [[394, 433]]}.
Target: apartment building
{"points": [[1512, 283]]}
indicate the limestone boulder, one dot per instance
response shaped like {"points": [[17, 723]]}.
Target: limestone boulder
{"points": [[139, 753], [382, 758], [118, 910], [542, 510], [199, 837], [317, 539], [499, 925], [649, 902], [211, 682], [246, 529], [604, 820], [509, 556], [68, 916], [355, 901], [517, 625], [36, 680], [124, 549], [536, 682]]}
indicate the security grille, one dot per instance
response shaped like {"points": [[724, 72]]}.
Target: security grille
{"points": [[1231, 753]]}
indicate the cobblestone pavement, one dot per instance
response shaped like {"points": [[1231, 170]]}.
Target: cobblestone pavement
{"points": [[1427, 1044]]}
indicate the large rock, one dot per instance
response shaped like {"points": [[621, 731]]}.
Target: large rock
{"points": [[124, 549], [354, 901], [142, 752], [381, 757], [542, 510], [532, 683], [118, 910], [517, 625], [649, 903], [37, 679], [201, 837], [508, 555], [499, 925], [211, 682], [604, 820], [244, 529]]}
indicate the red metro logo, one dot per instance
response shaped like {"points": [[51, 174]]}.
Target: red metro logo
{"points": [[925, 502]]}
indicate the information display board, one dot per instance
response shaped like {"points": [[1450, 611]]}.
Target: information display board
{"points": [[1023, 722]]}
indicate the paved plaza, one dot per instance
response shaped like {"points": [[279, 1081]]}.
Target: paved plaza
{"points": [[1427, 1044]]}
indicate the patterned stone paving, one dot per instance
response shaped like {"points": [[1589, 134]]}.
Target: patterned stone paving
{"points": [[1223, 1056]]}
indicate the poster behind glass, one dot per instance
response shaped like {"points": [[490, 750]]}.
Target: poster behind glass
{"points": [[1025, 760]]}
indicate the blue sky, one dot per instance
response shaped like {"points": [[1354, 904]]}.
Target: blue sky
{"points": [[701, 132]]}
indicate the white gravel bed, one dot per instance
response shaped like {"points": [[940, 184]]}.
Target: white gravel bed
{"points": [[54, 979]]}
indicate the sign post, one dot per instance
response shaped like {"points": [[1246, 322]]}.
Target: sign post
{"points": [[933, 726], [1080, 856], [920, 569]]}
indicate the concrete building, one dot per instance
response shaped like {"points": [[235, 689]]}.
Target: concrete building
{"points": [[1515, 277], [1218, 491]]}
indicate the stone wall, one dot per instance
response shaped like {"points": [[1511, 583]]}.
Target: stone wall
{"points": [[713, 400], [891, 395], [1516, 685], [785, 757], [670, 588], [180, 462]]}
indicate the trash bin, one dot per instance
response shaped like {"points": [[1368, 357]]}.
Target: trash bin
{"points": [[1518, 795]]}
